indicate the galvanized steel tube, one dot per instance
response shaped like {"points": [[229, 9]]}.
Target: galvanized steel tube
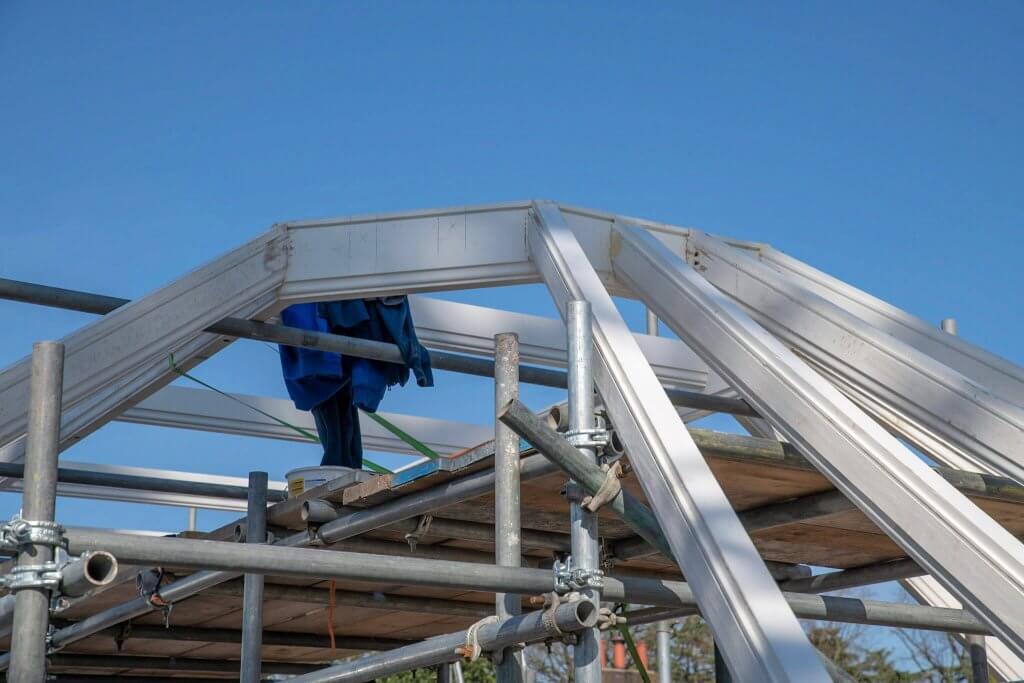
{"points": [[321, 564], [32, 605], [449, 493], [507, 546], [586, 549], [252, 598], [664, 651], [566, 618]]}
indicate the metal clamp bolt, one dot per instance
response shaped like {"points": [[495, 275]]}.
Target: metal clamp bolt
{"points": [[588, 438], [569, 578], [19, 532], [23, 576]]}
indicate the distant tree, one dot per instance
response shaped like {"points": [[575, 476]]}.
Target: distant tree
{"points": [[480, 671]]}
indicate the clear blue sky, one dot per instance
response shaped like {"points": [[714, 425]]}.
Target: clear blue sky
{"points": [[880, 142]]}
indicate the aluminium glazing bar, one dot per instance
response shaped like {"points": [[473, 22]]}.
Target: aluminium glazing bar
{"points": [[949, 536], [745, 610], [118, 359], [931, 404], [365, 348]]}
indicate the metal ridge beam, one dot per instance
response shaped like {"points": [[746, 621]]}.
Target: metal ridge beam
{"points": [[761, 638], [950, 537]]}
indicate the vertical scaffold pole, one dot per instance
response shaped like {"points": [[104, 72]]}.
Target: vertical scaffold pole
{"points": [[252, 594], [664, 652], [975, 644], [444, 673], [652, 323], [32, 604], [507, 544], [584, 538]]}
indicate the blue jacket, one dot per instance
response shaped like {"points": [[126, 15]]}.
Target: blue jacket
{"points": [[313, 376]]}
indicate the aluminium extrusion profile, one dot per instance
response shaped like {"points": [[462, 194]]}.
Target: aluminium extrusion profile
{"points": [[899, 344], [950, 537], [932, 404], [745, 609], [1001, 376], [123, 355]]}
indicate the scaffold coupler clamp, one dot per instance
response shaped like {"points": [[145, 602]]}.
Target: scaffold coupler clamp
{"points": [[552, 601], [413, 537], [20, 532], [596, 438], [572, 579], [46, 575], [148, 583]]}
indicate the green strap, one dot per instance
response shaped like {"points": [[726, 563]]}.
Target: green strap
{"points": [[412, 441], [299, 430], [631, 646]]}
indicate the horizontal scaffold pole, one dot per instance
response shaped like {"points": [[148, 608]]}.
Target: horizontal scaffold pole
{"points": [[325, 564], [68, 475], [527, 628], [351, 524], [100, 304]]}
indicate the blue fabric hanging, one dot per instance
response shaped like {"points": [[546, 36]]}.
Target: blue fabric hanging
{"points": [[315, 379]]}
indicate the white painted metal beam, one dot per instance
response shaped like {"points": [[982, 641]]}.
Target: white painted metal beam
{"points": [[123, 356], [980, 562], [940, 410], [761, 638]]}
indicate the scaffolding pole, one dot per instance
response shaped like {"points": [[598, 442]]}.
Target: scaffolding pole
{"points": [[507, 541], [32, 604], [526, 628], [586, 549], [664, 651], [252, 599]]}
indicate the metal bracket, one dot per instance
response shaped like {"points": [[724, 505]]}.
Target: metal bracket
{"points": [[569, 578], [413, 537], [20, 532], [47, 575]]}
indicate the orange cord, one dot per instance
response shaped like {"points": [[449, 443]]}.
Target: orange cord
{"points": [[330, 617]]}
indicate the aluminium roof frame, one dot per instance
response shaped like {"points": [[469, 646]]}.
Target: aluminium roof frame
{"points": [[115, 363]]}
